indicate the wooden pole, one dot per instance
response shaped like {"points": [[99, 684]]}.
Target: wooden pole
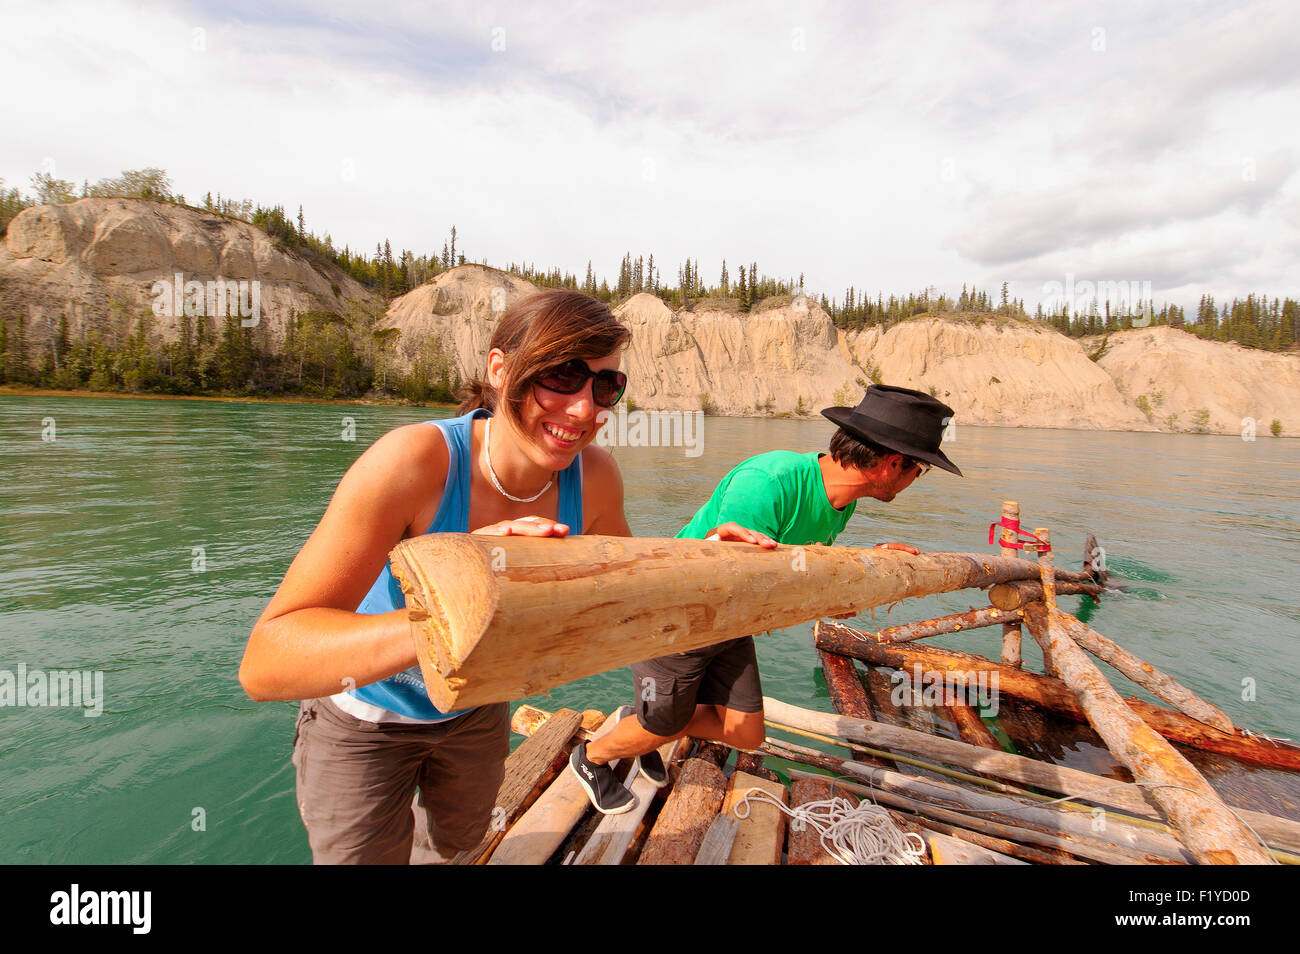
{"points": [[975, 618], [761, 832], [1193, 809], [1048, 693], [1010, 630], [1012, 596], [498, 618], [848, 695]]}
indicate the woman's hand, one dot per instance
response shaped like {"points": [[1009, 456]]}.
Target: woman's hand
{"points": [[898, 546], [734, 531], [525, 527]]}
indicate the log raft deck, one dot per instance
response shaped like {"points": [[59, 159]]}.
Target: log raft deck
{"points": [[1145, 784]]}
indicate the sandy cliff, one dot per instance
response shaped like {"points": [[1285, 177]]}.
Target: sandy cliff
{"points": [[94, 257], [1175, 374]]}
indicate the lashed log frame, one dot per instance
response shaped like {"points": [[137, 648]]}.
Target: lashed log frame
{"points": [[1010, 630], [530, 768], [497, 618], [1202, 821], [1050, 693], [1060, 779], [1004, 816], [678, 832], [956, 623]]}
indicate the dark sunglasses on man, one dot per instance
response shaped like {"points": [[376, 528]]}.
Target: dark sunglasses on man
{"points": [[568, 378]]}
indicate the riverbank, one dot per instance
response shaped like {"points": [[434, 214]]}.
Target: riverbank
{"points": [[10, 391]]}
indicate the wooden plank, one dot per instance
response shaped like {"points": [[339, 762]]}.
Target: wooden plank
{"points": [[530, 768], [950, 851], [686, 815], [762, 831], [718, 841], [609, 843], [804, 846], [542, 829]]}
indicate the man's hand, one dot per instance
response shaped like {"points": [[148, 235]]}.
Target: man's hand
{"points": [[898, 546], [734, 531], [525, 527]]}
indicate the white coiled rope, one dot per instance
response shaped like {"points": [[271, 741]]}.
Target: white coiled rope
{"points": [[852, 834]]}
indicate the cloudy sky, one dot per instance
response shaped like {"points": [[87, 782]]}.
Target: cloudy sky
{"points": [[890, 146]]}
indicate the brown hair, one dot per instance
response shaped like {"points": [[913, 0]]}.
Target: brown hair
{"points": [[539, 332], [849, 450]]}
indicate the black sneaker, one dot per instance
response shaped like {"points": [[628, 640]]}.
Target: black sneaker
{"points": [[652, 767], [601, 784]]}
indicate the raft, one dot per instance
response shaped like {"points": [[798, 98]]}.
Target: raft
{"points": [[932, 756]]}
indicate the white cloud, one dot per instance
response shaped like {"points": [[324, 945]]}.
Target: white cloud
{"points": [[893, 147]]}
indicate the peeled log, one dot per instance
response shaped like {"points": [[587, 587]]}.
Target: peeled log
{"points": [[988, 616], [1012, 596], [498, 618], [1208, 828], [1050, 694]]}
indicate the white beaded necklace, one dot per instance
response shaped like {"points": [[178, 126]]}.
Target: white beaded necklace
{"points": [[487, 451]]}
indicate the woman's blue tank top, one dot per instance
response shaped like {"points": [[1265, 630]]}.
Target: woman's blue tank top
{"points": [[404, 694]]}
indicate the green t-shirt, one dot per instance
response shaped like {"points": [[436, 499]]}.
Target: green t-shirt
{"points": [[781, 494]]}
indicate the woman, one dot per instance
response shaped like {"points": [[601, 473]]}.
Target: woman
{"points": [[336, 636]]}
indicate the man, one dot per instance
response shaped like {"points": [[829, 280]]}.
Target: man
{"points": [[882, 445]]}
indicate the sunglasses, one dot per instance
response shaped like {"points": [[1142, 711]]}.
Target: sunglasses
{"points": [[570, 377]]}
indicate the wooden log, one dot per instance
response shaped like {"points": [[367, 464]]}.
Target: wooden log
{"points": [[761, 834], [497, 618], [951, 851], [676, 836], [715, 753], [1202, 821], [804, 845], [1052, 694], [542, 829], [530, 768], [751, 763], [973, 619], [1036, 856], [1013, 596], [1144, 674], [848, 695], [1280, 832], [1010, 630], [971, 727], [718, 841]]}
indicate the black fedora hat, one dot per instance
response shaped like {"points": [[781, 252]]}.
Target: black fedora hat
{"points": [[900, 419]]}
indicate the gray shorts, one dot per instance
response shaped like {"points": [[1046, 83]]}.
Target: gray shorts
{"points": [[669, 688], [397, 794]]}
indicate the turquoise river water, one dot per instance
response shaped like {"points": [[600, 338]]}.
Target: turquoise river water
{"points": [[102, 528]]}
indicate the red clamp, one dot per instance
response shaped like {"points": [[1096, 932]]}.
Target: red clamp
{"points": [[1024, 539]]}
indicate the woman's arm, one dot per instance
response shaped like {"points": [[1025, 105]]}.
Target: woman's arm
{"points": [[602, 494], [310, 641]]}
